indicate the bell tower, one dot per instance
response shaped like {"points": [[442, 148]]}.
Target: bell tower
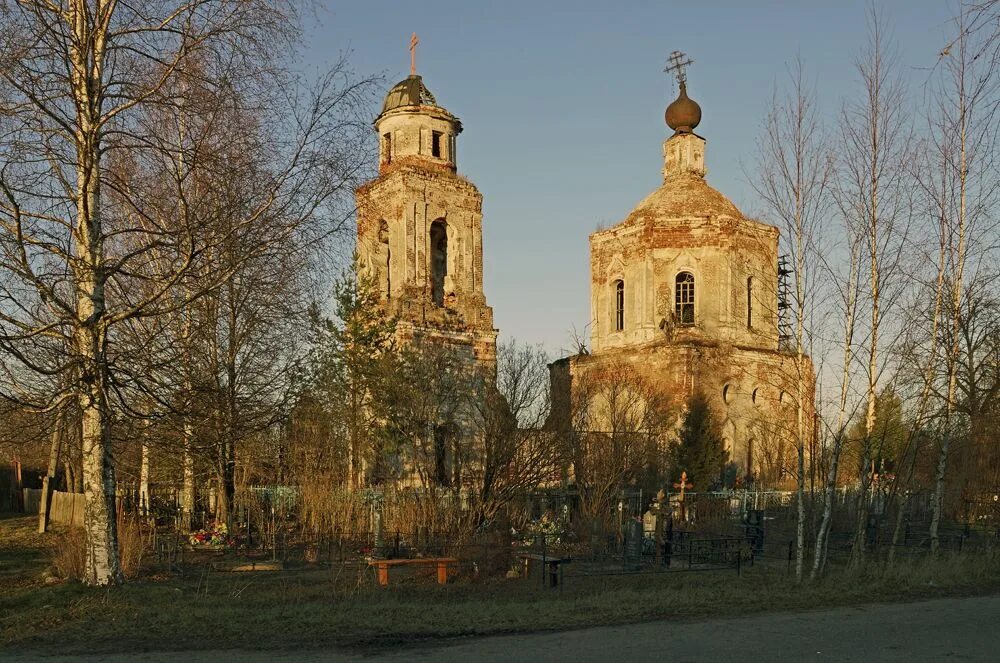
{"points": [[420, 225]]}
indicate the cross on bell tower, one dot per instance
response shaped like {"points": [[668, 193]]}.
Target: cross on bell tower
{"points": [[413, 54], [420, 225]]}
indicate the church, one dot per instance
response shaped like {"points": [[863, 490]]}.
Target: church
{"points": [[685, 289]]}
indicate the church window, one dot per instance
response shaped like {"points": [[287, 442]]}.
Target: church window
{"points": [[439, 260], [684, 298], [726, 394], [619, 305], [436, 144], [387, 139], [749, 302]]}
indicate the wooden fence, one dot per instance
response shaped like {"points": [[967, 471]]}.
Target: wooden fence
{"points": [[66, 508]]}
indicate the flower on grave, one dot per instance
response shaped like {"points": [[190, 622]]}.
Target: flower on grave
{"points": [[212, 536]]}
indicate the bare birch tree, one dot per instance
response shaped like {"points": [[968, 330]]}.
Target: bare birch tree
{"points": [[793, 170], [872, 195], [847, 288], [76, 80], [962, 138]]}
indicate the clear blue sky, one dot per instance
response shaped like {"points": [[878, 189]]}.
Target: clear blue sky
{"points": [[562, 104]]}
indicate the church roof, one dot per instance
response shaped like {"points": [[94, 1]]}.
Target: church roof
{"points": [[410, 91], [683, 197]]}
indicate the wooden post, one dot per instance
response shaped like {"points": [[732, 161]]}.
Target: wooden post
{"points": [[45, 503], [442, 573], [17, 503]]}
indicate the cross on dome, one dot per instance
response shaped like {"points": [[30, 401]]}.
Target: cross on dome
{"points": [[676, 64]]}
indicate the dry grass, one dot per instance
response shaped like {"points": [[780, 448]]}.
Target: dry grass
{"points": [[320, 608], [69, 555]]}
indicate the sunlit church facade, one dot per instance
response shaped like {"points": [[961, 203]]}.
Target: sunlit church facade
{"points": [[684, 289]]}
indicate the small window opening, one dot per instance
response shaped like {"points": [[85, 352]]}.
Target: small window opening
{"points": [[619, 305], [387, 139], [436, 144], [684, 298], [439, 261], [749, 302]]}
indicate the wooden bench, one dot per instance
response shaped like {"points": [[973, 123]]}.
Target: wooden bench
{"points": [[442, 564], [554, 564]]}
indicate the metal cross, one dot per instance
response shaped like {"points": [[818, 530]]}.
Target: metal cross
{"points": [[676, 63], [413, 54]]}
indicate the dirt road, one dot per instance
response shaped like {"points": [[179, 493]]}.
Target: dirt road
{"points": [[966, 629]]}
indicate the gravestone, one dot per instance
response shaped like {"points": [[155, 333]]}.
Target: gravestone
{"points": [[632, 557]]}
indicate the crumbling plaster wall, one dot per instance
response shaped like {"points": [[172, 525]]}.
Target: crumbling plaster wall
{"points": [[395, 214], [721, 253], [751, 391]]}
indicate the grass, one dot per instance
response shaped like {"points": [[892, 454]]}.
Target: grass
{"points": [[315, 609]]}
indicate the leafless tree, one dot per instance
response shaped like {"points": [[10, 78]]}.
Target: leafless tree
{"points": [[80, 255], [512, 452], [791, 177], [962, 139], [614, 416], [872, 192]]}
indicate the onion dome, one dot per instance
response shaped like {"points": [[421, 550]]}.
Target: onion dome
{"points": [[683, 114], [410, 91]]}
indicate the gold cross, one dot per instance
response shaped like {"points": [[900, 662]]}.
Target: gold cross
{"points": [[413, 54]]}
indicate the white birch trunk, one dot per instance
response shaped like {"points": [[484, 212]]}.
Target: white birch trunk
{"points": [[822, 535], [102, 565], [956, 298], [144, 481], [187, 490]]}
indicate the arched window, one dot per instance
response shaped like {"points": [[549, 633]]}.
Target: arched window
{"points": [[439, 260], [749, 302], [684, 298], [619, 305]]}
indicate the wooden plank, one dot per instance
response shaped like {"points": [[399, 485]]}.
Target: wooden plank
{"points": [[419, 560], [442, 564]]}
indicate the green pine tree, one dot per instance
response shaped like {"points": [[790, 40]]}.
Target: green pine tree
{"points": [[699, 449], [354, 360]]}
